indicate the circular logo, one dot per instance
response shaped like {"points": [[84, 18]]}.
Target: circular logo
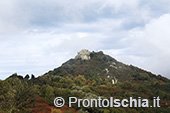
{"points": [[59, 102]]}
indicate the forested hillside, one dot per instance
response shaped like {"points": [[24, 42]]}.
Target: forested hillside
{"points": [[88, 75]]}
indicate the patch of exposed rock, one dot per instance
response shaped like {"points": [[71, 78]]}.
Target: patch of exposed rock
{"points": [[83, 54]]}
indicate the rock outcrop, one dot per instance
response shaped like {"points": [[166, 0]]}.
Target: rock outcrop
{"points": [[83, 54]]}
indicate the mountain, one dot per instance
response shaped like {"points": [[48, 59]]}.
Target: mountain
{"points": [[98, 65], [87, 76]]}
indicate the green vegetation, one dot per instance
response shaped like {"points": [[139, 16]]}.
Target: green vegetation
{"points": [[84, 79]]}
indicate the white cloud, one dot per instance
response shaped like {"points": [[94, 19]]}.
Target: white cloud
{"points": [[36, 36], [157, 43], [118, 5], [39, 52], [149, 47]]}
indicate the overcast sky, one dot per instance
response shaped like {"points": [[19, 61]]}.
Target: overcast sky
{"points": [[39, 35]]}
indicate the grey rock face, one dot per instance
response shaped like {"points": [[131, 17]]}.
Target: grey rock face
{"points": [[83, 54]]}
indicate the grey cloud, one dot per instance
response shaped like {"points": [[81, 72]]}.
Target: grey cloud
{"points": [[40, 35], [151, 46]]}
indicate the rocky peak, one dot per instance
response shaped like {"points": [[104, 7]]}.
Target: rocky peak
{"points": [[83, 54]]}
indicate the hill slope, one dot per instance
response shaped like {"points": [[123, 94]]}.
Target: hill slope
{"points": [[87, 76], [99, 65]]}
